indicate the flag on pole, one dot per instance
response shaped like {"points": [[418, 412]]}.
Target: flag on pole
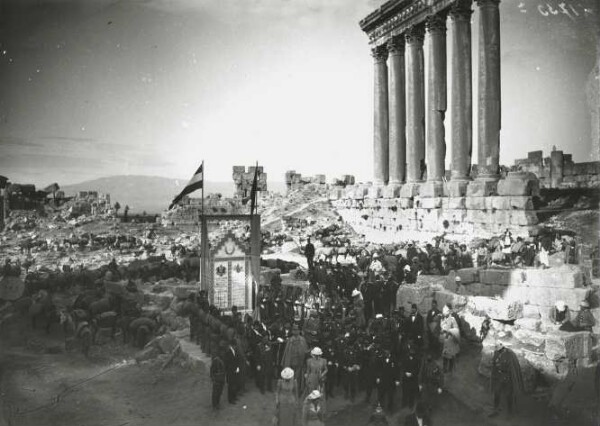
{"points": [[254, 190], [196, 182]]}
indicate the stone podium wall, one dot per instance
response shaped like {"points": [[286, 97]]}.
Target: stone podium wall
{"points": [[385, 217]]}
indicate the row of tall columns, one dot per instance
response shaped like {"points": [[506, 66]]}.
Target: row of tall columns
{"points": [[401, 122]]}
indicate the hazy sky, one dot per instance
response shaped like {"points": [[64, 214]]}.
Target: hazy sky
{"points": [[92, 88]]}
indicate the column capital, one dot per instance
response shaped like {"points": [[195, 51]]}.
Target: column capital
{"points": [[436, 23], [415, 34], [488, 3], [379, 53], [461, 10], [395, 45]]}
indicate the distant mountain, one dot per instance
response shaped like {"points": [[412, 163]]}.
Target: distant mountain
{"points": [[150, 193]]}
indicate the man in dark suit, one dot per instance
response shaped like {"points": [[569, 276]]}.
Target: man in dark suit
{"points": [[414, 327], [410, 378], [232, 369], [309, 252]]}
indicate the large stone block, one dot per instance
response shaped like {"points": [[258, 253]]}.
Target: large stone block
{"points": [[406, 203], [531, 338], [431, 189], [420, 294], [571, 345], [531, 311], [468, 275], [482, 188], [545, 297], [567, 276], [475, 203], [457, 203], [409, 190], [429, 203], [519, 183], [531, 324], [521, 202], [445, 297], [498, 309], [496, 276], [392, 191], [500, 203], [523, 217], [457, 188]]}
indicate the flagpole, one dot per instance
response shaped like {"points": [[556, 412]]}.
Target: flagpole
{"points": [[203, 282]]}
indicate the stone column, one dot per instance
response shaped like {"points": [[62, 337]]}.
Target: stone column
{"points": [[381, 132], [461, 98], [436, 102], [488, 158], [397, 104], [415, 111]]}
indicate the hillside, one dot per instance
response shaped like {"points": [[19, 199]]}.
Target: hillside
{"points": [[148, 193]]}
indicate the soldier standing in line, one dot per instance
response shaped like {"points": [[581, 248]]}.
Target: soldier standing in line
{"points": [[369, 365], [265, 366], [410, 378], [217, 375], [350, 372], [431, 381], [386, 377]]}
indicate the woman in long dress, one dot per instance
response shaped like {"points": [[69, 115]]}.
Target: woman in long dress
{"points": [[316, 371], [313, 411], [286, 402]]}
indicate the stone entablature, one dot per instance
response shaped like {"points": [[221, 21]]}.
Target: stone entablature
{"points": [[559, 171], [396, 17]]}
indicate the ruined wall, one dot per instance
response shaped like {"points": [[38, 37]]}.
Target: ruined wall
{"points": [[243, 179], [294, 181], [559, 170]]}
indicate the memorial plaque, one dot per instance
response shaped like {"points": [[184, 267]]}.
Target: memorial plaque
{"points": [[221, 284], [238, 283], [230, 286]]}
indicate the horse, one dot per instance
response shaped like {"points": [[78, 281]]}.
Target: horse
{"points": [[105, 320], [100, 306], [43, 308], [76, 330], [142, 328]]}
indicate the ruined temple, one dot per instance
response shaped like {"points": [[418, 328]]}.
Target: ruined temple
{"points": [[410, 196]]}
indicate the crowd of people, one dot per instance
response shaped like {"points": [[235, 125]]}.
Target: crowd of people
{"points": [[345, 334]]}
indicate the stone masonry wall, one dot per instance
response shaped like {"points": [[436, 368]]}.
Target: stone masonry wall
{"points": [[559, 170]]}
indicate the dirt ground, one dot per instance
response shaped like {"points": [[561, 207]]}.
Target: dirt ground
{"points": [[108, 389]]}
